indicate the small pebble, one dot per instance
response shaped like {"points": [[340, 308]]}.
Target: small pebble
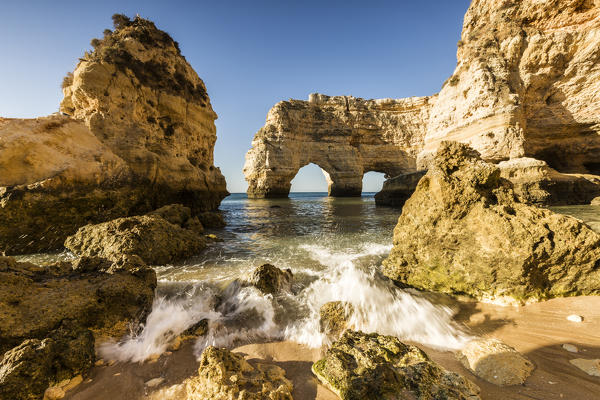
{"points": [[569, 347], [73, 382], [54, 393], [112, 362], [99, 363], [155, 382], [575, 318]]}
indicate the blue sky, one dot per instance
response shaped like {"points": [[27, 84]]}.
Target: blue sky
{"points": [[250, 54]]}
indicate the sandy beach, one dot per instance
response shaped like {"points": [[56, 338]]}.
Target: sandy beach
{"points": [[537, 330]]}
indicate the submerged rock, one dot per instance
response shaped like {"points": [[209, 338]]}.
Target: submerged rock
{"points": [[334, 317], [589, 366], [270, 280], [97, 294], [464, 232], [152, 237], [496, 362], [372, 366], [139, 133], [225, 375], [29, 368]]}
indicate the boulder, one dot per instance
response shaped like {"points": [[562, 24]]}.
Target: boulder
{"points": [[225, 375], [270, 280], [151, 237], [29, 368], [138, 134], [372, 366], [464, 231], [397, 190], [495, 362], [534, 182], [334, 317], [97, 294]]}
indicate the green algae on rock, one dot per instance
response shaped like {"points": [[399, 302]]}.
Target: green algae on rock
{"points": [[151, 237], [371, 366], [333, 317], [464, 232], [225, 375]]}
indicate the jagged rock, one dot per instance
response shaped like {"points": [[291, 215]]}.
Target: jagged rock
{"points": [[270, 280], [139, 134], [28, 369], [527, 84], [496, 362], [334, 317], [151, 237], [224, 375], [344, 135], [397, 190], [464, 232], [101, 295], [372, 366], [211, 219], [179, 215], [534, 182]]}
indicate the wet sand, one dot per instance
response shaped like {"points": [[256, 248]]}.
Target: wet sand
{"points": [[536, 330]]}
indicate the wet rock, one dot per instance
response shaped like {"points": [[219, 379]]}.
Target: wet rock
{"points": [[154, 382], [102, 295], [495, 362], [590, 367], [334, 317], [28, 369], [54, 393], [179, 215], [464, 232], [270, 280], [228, 376], [372, 366], [595, 201], [200, 328], [570, 348], [151, 237]]}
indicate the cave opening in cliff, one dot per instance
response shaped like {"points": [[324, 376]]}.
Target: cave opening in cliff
{"points": [[309, 178], [372, 182]]}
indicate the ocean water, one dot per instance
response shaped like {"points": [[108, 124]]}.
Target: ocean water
{"points": [[334, 247]]}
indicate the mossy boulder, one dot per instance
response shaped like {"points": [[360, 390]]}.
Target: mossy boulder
{"points": [[166, 235], [363, 366], [464, 231], [226, 375], [270, 280]]}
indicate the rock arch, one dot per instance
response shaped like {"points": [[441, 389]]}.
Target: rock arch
{"points": [[345, 136]]}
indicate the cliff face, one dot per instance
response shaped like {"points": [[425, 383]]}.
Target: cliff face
{"points": [[139, 134], [526, 84], [344, 135]]}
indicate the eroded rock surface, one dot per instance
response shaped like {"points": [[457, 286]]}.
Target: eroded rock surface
{"points": [[344, 135], [224, 375], [464, 232], [372, 366], [496, 362], [270, 280], [333, 317], [139, 135], [96, 293], [163, 236]]}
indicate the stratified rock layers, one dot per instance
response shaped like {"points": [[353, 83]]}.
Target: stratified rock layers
{"points": [[140, 135], [344, 135], [527, 84]]}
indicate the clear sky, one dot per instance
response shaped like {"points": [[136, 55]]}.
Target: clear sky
{"points": [[250, 54]]}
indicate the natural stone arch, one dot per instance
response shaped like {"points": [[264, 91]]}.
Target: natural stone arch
{"points": [[345, 136]]}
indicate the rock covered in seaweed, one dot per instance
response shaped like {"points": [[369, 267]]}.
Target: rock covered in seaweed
{"points": [[225, 375], [151, 237], [372, 366], [333, 317], [464, 232]]}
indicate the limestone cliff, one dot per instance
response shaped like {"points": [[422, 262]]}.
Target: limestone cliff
{"points": [[139, 133], [344, 135], [527, 83]]}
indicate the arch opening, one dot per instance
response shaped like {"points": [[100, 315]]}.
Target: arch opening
{"points": [[310, 178], [372, 182]]}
